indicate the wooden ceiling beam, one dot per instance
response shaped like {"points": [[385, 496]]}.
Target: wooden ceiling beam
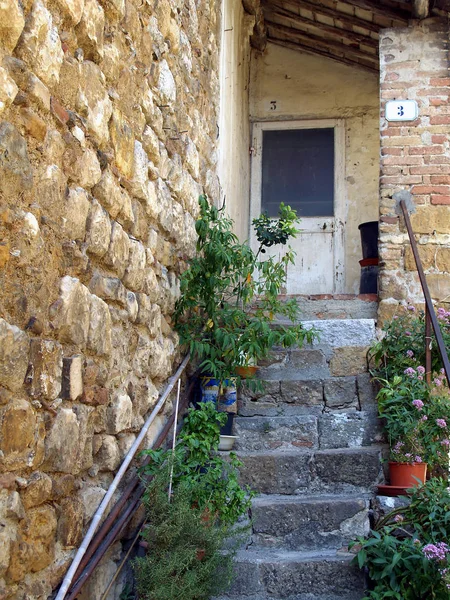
{"points": [[341, 59], [316, 9], [276, 16], [381, 9], [307, 38]]}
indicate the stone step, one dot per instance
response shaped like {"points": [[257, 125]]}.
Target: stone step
{"points": [[339, 306], [332, 471], [262, 574], [304, 523], [321, 431], [308, 396]]}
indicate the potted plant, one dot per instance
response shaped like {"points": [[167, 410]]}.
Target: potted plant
{"points": [[416, 420], [230, 295], [197, 464]]}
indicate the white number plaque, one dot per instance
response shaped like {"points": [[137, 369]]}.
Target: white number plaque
{"points": [[401, 110]]}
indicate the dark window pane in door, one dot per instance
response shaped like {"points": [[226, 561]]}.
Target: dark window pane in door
{"points": [[298, 169]]}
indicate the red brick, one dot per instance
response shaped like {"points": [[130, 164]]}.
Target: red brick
{"points": [[392, 151], [423, 170], [440, 199], [440, 81], [321, 297], [435, 149], [433, 91], [392, 170], [431, 189], [438, 101], [368, 297], [390, 220], [440, 179], [392, 77], [439, 138], [440, 120], [401, 179], [402, 160], [437, 160]]}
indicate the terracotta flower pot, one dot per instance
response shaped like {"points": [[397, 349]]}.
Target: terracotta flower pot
{"points": [[248, 371], [406, 475]]}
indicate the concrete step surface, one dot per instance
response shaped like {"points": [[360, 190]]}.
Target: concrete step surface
{"points": [[306, 523], [344, 470], [277, 574]]}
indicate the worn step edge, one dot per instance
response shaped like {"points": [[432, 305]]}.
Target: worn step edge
{"points": [[263, 500]]}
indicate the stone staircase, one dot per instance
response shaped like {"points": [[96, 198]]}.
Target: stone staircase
{"points": [[311, 448]]}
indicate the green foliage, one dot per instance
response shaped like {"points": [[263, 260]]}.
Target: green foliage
{"points": [[416, 420], [230, 296], [403, 343], [406, 555], [198, 466], [189, 555]]}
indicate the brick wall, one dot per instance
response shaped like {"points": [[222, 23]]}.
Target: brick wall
{"points": [[415, 156]]}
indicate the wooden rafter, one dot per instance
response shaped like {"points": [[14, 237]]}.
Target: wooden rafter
{"points": [[383, 10], [300, 22], [342, 59], [316, 41], [293, 6]]}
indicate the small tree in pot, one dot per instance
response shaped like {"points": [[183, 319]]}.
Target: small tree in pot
{"points": [[230, 294]]}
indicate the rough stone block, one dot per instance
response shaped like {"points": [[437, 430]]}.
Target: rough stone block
{"points": [[269, 433], [108, 288], [349, 430], [109, 193], [38, 490], [12, 23], [8, 89], [119, 414], [349, 360], [123, 142], [62, 444], [108, 456], [33, 124], [100, 336], [16, 173], [98, 234], [70, 312], [93, 101], [304, 393], [90, 30], [14, 353], [46, 368], [443, 259], [439, 286], [72, 377], [76, 213], [367, 392], [70, 524], [40, 46], [428, 255], [276, 472], [14, 506], [134, 274], [95, 394], [20, 435], [427, 219], [343, 332], [119, 250], [340, 393], [304, 523], [82, 166], [337, 470]]}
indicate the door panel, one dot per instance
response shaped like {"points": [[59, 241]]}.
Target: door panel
{"points": [[319, 263]]}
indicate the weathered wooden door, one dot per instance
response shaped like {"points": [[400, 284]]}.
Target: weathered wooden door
{"points": [[301, 163]]}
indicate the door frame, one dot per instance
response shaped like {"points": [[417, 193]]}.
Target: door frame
{"points": [[340, 200]]}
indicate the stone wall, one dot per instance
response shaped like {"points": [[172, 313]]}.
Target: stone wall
{"points": [[415, 156], [108, 124]]}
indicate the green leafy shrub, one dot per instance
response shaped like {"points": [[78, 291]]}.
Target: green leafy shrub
{"points": [[407, 555], [189, 555], [198, 466], [403, 343]]}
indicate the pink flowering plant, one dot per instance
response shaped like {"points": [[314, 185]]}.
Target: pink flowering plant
{"points": [[416, 419], [407, 554]]}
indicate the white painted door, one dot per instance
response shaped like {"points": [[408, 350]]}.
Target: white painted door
{"points": [[302, 164]]}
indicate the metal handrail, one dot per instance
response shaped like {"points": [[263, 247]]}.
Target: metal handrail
{"points": [[112, 488], [430, 315]]}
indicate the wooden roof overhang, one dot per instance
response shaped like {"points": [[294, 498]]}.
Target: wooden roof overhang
{"points": [[344, 30]]}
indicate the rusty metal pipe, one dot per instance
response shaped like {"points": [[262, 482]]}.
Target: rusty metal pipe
{"points": [[107, 523]]}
